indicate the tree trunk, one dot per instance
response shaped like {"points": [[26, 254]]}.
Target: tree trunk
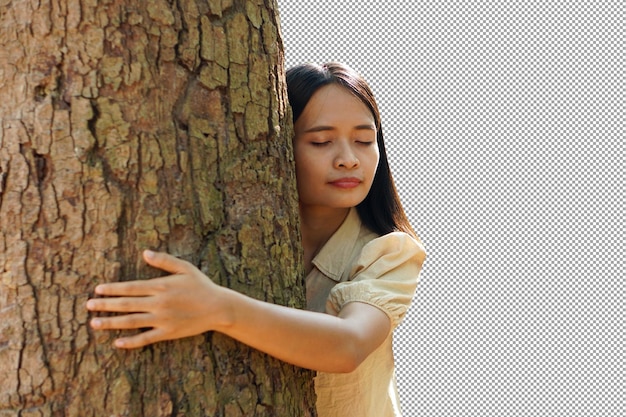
{"points": [[128, 125]]}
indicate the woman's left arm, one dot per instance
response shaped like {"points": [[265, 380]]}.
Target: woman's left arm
{"points": [[188, 303]]}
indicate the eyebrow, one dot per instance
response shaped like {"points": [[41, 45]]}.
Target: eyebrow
{"points": [[323, 128]]}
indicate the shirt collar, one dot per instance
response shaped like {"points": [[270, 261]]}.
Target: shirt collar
{"points": [[332, 257]]}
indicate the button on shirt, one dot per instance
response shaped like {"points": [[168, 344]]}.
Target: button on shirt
{"points": [[357, 265]]}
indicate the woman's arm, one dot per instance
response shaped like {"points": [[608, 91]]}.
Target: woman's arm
{"points": [[188, 303]]}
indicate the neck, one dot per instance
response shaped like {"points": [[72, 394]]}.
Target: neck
{"points": [[317, 225]]}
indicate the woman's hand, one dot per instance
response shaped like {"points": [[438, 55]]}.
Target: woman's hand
{"points": [[186, 303]]}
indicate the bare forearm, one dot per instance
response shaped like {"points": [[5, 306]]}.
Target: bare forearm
{"points": [[307, 339]]}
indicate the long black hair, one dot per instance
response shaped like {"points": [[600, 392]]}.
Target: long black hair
{"points": [[381, 209]]}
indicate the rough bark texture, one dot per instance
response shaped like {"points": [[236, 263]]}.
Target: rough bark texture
{"points": [[127, 125]]}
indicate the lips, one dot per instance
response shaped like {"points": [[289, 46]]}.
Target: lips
{"points": [[349, 182]]}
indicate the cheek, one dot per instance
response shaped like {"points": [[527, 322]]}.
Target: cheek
{"points": [[304, 172], [372, 162]]}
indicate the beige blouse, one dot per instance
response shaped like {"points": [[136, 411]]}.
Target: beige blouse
{"points": [[357, 265]]}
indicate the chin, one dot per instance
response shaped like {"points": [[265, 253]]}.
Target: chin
{"points": [[347, 204], [338, 202]]}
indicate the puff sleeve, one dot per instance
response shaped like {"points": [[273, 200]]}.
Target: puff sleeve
{"points": [[385, 275]]}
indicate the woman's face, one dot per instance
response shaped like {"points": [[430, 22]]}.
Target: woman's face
{"points": [[335, 149]]}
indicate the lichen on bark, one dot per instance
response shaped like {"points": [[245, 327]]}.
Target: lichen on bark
{"points": [[126, 126]]}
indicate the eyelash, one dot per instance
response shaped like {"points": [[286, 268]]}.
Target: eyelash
{"points": [[360, 142]]}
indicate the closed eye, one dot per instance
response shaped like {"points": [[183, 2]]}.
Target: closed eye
{"points": [[319, 144]]}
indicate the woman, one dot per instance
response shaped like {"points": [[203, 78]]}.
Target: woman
{"points": [[361, 256]]}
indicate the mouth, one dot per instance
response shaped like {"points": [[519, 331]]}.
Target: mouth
{"points": [[346, 182]]}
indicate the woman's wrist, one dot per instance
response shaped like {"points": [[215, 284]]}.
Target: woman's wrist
{"points": [[225, 308]]}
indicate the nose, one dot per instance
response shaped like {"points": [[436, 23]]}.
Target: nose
{"points": [[346, 158]]}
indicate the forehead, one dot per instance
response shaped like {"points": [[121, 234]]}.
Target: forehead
{"points": [[332, 105]]}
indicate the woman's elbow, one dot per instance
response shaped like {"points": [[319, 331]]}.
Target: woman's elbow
{"points": [[351, 359], [365, 331]]}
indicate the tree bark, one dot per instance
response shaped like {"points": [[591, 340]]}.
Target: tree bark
{"points": [[128, 125]]}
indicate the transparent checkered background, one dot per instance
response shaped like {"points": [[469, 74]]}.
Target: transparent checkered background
{"points": [[505, 127]]}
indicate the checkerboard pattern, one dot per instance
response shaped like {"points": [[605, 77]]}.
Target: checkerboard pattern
{"points": [[505, 126]]}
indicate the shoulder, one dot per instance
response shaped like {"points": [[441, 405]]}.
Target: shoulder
{"points": [[385, 274], [395, 247]]}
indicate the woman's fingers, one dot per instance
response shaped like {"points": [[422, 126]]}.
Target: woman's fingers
{"points": [[169, 306], [121, 304], [140, 339], [127, 322], [166, 262], [129, 288], [131, 322], [153, 286]]}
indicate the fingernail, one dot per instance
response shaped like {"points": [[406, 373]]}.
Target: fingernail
{"points": [[95, 323], [148, 253], [90, 305], [120, 343]]}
